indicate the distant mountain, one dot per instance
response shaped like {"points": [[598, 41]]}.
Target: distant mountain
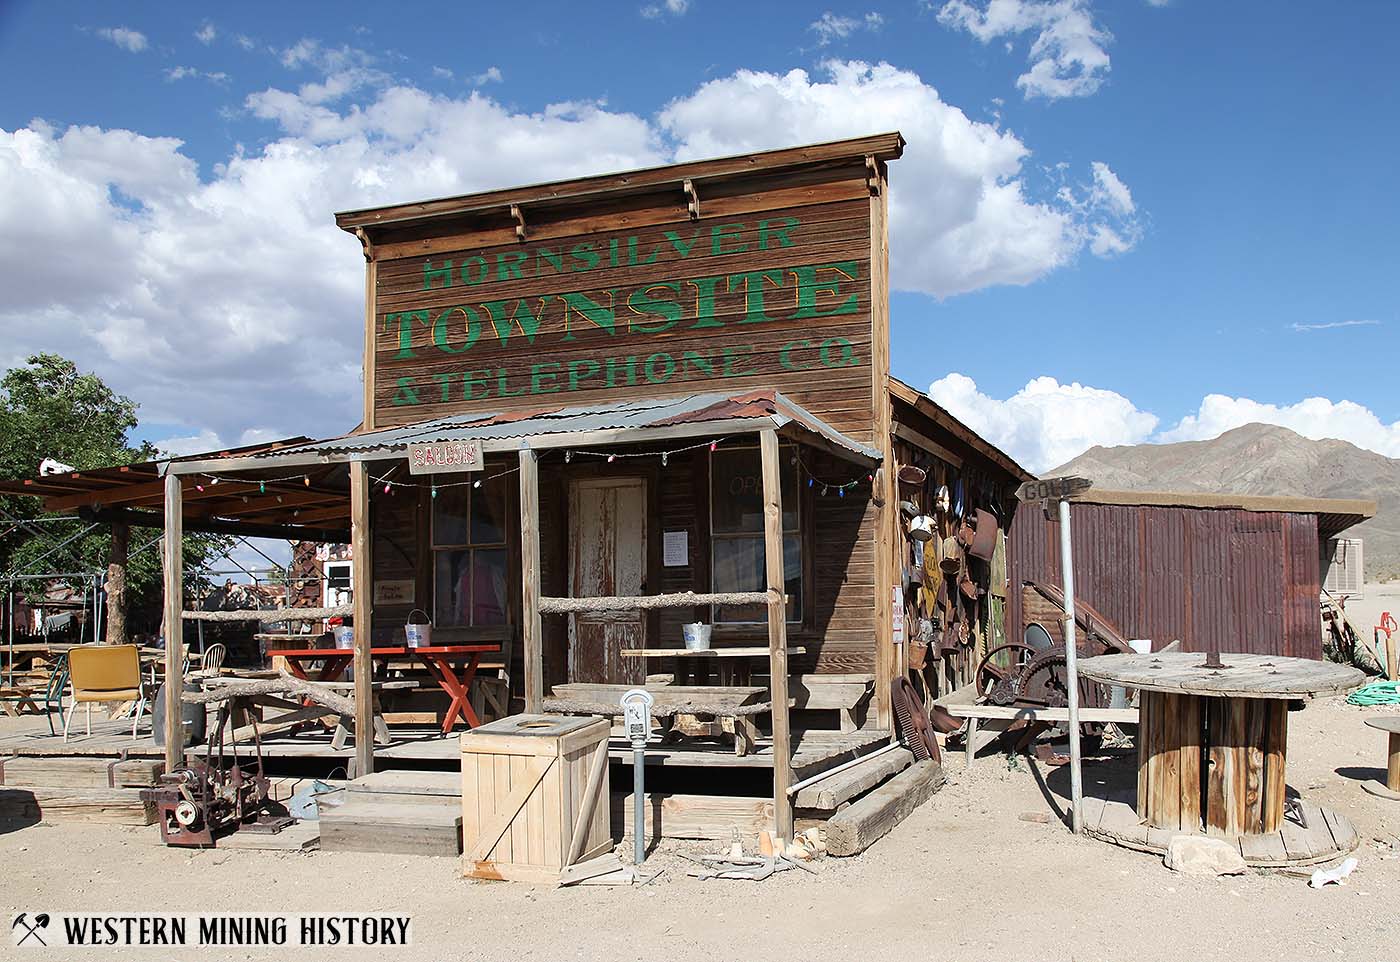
{"points": [[1263, 459]]}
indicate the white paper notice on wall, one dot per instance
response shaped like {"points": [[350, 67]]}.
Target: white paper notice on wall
{"points": [[675, 548], [897, 613]]}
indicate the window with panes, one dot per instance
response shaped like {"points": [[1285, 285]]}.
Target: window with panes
{"points": [[736, 531], [469, 555]]}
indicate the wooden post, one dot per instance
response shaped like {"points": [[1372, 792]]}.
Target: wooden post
{"points": [[1392, 669], [532, 628], [116, 584], [361, 578], [777, 632], [890, 661], [173, 563]]}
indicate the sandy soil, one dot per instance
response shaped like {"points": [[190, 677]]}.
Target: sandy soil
{"points": [[965, 877]]}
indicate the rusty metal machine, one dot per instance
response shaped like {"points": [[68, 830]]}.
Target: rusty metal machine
{"points": [[204, 800]]}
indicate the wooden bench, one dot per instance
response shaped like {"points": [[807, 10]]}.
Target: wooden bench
{"points": [[998, 718], [848, 695], [741, 704]]}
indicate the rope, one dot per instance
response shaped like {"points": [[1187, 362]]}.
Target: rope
{"points": [[1376, 693], [677, 599]]}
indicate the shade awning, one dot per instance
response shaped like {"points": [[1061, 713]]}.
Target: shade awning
{"points": [[711, 415]]}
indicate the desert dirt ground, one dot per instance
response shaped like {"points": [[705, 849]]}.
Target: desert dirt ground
{"points": [[966, 877]]}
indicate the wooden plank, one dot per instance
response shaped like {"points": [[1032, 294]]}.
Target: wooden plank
{"points": [[852, 830], [301, 837], [401, 829], [1190, 764], [1121, 716], [362, 573], [371, 308], [889, 661], [777, 632], [714, 817], [835, 790], [1265, 848], [532, 628], [173, 624], [1166, 766], [1254, 775], [79, 773], [114, 806]]}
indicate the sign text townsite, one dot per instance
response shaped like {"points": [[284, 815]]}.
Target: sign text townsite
{"points": [[615, 335]]}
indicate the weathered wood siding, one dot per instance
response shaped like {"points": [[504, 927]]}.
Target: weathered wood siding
{"points": [[748, 298]]}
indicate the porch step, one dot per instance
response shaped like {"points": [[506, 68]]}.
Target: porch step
{"points": [[443, 785], [412, 829], [829, 794], [858, 826]]}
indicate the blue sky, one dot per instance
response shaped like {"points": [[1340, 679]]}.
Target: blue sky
{"points": [[1115, 222]]}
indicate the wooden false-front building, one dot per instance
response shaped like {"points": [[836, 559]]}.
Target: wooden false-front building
{"points": [[584, 400]]}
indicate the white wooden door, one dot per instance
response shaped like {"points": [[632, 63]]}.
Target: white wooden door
{"points": [[607, 557]]}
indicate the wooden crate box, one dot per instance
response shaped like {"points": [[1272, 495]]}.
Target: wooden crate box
{"points": [[534, 796]]}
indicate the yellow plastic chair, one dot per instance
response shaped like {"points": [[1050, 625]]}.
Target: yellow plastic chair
{"points": [[105, 673]]}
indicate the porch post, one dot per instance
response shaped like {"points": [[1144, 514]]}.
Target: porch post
{"points": [[173, 626], [116, 584], [363, 594], [532, 628], [777, 631]]}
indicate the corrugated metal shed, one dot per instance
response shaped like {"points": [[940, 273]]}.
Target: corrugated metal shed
{"points": [[1191, 567]]}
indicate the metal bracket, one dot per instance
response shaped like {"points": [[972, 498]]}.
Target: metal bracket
{"points": [[518, 216], [692, 199]]}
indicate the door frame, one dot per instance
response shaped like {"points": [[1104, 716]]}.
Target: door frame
{"points": [[600, 479]]}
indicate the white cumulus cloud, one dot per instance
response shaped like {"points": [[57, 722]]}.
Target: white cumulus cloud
{"points": [[1314, 417], [830, 27], [1067, 57], [1045, 423], [130, 40], [227, 297]]}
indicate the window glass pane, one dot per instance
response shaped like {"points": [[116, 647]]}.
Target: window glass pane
{"points": [[489, 587], [736, 486], [452, 588], [450, 515], [488, 512], [739, 566]]}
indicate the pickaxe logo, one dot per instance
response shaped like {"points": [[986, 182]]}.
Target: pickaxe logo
{"points": [[24, 932]]}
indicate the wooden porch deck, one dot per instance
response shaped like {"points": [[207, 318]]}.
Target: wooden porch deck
{"points": [[813, 750]]}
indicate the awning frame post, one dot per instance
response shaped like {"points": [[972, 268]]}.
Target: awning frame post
{"points": [[777, 632], [363, 595], [173, 623], [532, 627]]}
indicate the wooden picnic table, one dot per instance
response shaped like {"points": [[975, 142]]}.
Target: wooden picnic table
{"points": [[1233, 718], [438, 659], [734, 664]]}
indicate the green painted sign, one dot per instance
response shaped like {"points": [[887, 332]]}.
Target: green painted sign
{"points": [[609, 327]]}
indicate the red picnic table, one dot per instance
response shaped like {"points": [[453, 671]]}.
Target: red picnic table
{"points": [[437, 659]]}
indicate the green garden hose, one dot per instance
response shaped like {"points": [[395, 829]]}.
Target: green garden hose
{"points": [[1376, 693]]}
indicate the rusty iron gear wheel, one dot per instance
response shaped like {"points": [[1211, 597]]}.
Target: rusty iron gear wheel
{"points": [[1000, 683]]}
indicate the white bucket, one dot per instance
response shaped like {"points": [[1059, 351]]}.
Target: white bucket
{"points": [[344, 636], [418, 636], [1143, 646], [697, 636]]}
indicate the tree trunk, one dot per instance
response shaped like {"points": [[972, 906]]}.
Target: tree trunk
{"points": [[116, 585]]}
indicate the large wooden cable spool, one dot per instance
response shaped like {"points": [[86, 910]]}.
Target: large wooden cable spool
{"points": [[913, 721]]}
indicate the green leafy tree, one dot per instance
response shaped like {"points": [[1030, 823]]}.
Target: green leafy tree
{"points": [[49, 409]]}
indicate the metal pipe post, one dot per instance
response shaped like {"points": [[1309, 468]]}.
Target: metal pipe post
{"points": [[639, 805], [1076, 781]]}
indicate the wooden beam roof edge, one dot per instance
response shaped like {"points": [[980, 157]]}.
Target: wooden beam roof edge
{"points": [[884, 146]]}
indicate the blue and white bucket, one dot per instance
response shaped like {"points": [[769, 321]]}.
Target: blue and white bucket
{"points": [[418, 636]]}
